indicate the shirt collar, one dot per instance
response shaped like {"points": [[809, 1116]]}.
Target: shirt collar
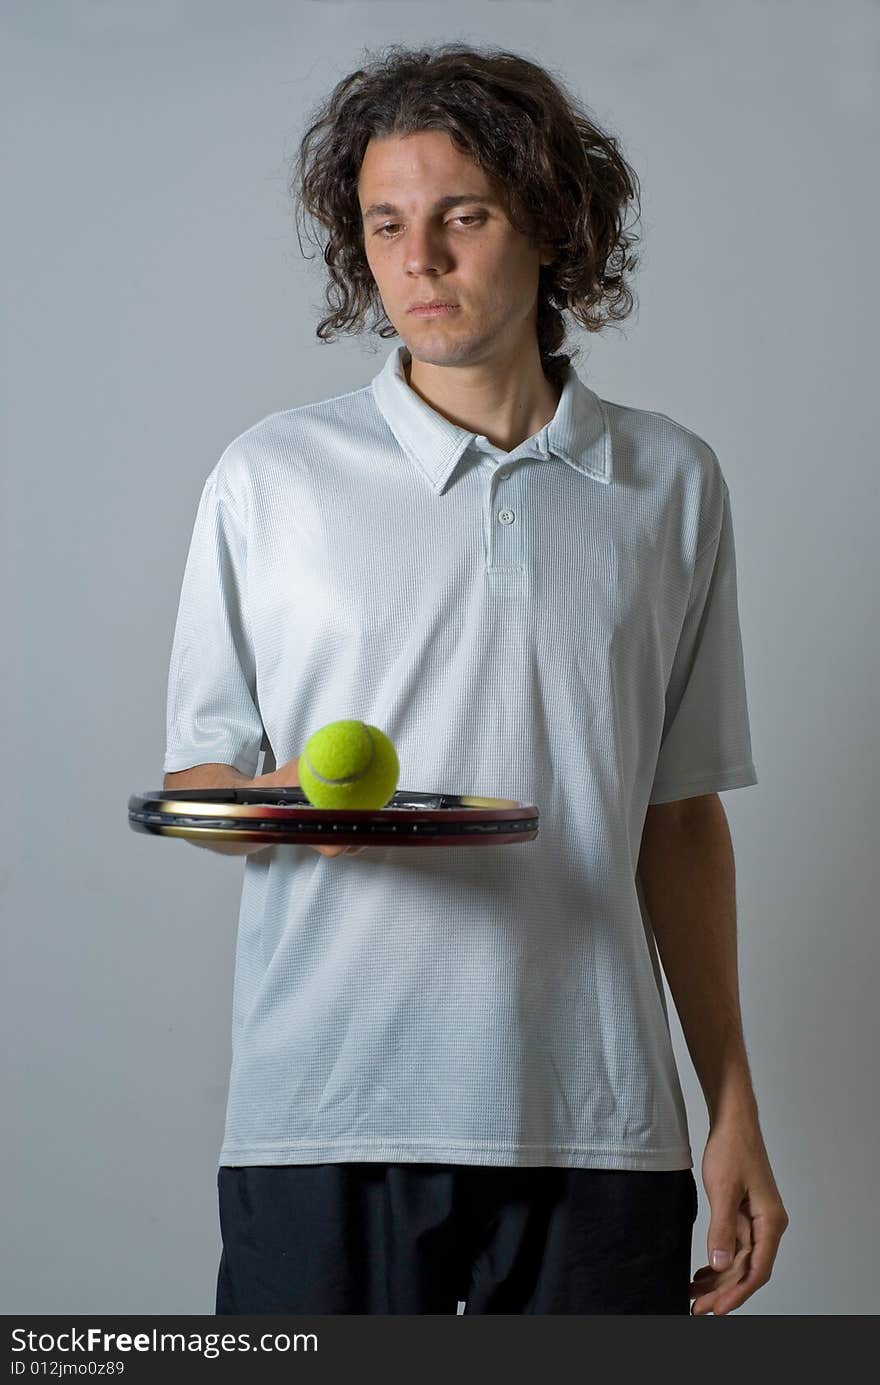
{"points": [[578, 433]]}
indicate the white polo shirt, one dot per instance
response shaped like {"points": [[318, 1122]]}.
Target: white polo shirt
{"points": [[557, 624]]}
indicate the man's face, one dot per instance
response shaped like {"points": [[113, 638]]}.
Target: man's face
{"points": [[468, 254]]}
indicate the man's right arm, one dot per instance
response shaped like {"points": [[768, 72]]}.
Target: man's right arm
{"points": [[214, 776]]}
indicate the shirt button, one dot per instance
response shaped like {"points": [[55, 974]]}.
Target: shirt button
{"points": [[504, 473], [506, 516]]}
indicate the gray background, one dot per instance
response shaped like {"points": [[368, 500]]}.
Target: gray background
{"points": [[155, 305]]}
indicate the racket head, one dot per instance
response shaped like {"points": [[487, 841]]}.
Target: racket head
{"points": [[410, 818]]}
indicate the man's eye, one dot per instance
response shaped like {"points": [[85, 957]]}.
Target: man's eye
{"points": [[391, 224]]}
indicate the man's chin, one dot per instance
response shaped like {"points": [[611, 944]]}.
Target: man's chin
{"points": [[436, 352]]}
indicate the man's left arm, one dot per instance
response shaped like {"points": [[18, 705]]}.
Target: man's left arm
{"points": [[686, 866]]}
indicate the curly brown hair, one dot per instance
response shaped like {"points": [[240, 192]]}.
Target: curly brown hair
{"points": [[565, 181]]}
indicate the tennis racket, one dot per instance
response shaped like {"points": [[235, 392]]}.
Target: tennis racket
{"points": [[285, 816]]}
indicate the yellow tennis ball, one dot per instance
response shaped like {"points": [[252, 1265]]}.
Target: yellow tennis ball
{"points": [[348, 764]]}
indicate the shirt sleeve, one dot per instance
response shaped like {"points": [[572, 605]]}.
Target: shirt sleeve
{"points": [[706, 742], [212, 712]]}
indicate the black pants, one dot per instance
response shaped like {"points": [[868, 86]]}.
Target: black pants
{"points": [[420, 1238]]}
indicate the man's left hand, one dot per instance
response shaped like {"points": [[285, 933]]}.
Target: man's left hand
{"points": [[747, 1219]]}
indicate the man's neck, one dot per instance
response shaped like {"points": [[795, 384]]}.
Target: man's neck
{"points": [[514, 415]]}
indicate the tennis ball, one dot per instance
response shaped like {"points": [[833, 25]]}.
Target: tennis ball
{"points": [[348, 764]]}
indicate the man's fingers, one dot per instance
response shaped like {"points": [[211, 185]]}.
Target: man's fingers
{"points": [[709, 1285], [707, 1281], [706, 1275], [761, 1258], [712, 1300], [758, 1266], [724, 1300]]}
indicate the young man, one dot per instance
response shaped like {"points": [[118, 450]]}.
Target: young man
{"points": [[452, 1073]]}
